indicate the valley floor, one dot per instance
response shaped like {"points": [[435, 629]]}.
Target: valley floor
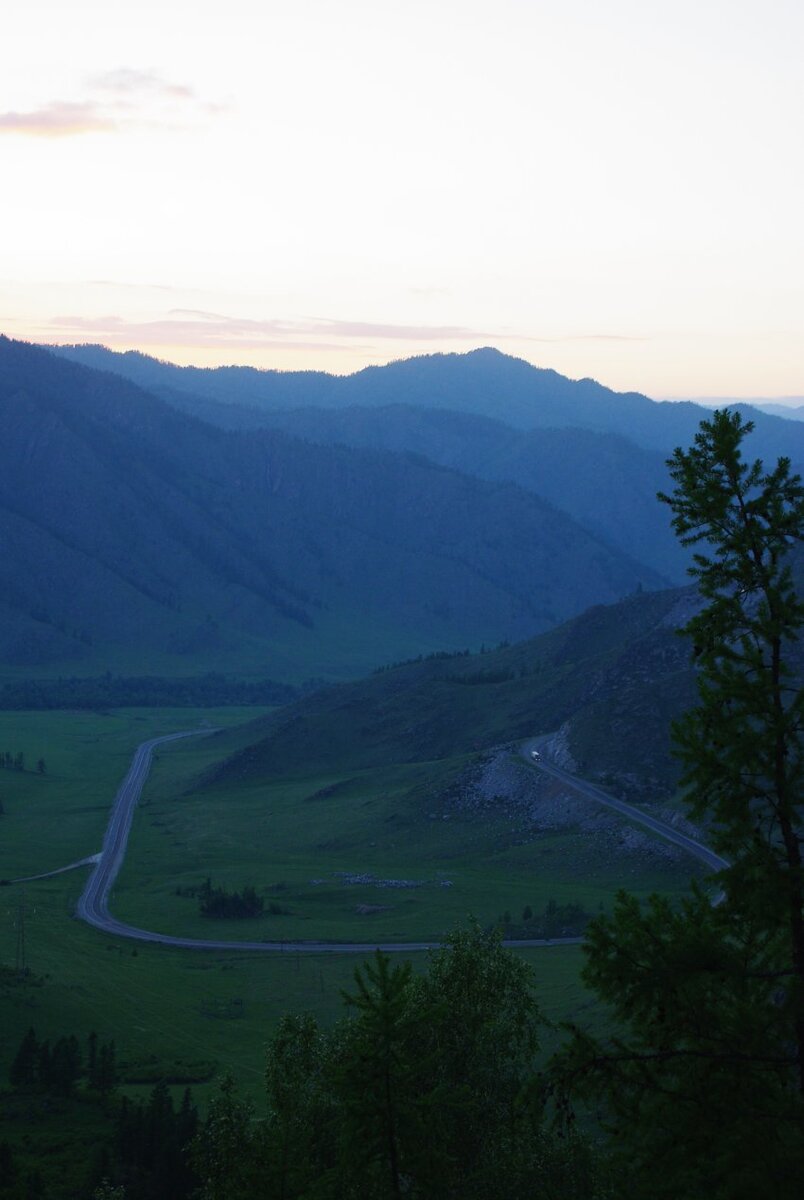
{"points": [[335, 874]]}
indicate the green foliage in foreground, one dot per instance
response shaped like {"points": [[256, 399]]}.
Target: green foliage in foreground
{"points": [[703, 1089], [68, 1133], [428, 1088]]}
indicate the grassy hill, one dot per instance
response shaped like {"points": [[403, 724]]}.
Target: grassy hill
{"points": [[391, 807], [612, 676]]}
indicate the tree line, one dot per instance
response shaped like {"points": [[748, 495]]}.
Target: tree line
{"points": [[556, 920], [141, 1148], [117, 691], [58, 1067], [217, 902], [16, 762], [427, 1087]]}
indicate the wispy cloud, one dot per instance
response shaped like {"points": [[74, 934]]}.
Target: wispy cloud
{"points": [[129, 81], [59, 119], [404, 332], [586, 337], [123, 284], [193, 327], [117, 99]]}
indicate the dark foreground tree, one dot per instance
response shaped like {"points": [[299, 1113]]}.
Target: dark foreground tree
{"points": [[428, 1090], [704, 1087]]}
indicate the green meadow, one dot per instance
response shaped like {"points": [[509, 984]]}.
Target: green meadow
{"points": [[300, 840], [371, 856], [186, 1015], [55, 818], [343, 646]]}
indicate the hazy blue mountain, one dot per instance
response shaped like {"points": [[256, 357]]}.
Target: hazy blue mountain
{"points": [[130, 526], [229, 385], [605, 482], [482, 382], [595, 454], [791, 412]]}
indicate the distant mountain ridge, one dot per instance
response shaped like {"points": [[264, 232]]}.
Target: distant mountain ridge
{"points": [[482, 382], [790, 412], [596, 455], [129, 526]]}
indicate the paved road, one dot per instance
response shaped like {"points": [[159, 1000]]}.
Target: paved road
{"points": [[93, 906], [662, 828]]}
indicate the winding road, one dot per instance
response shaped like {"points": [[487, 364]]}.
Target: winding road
{"points": [[630, 811], [93, 905]]}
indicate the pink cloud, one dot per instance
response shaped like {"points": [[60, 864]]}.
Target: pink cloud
{"points": [[196, 326], [59, 119], [124, 97]]}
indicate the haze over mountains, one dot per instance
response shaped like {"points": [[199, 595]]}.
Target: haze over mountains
{"points": [[596, 454], [483, 382], [131, 528], [287, 525], [793, 412]]}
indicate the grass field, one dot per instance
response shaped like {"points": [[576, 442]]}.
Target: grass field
{"points": [[341, 646], [186, 1007], [315, 845], [58, 817]]}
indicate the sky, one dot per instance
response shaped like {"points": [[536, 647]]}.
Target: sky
{"points": [[611, 188]]}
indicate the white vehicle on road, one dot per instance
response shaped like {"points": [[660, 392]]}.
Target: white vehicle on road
{"points": [[536, 756]]}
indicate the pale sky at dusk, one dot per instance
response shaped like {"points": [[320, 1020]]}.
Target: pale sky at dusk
{"points": [[608, 188]]}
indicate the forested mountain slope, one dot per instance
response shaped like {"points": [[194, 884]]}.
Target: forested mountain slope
{"points": [[129, 524], [604, 481], [597, 455], [483, 382]]}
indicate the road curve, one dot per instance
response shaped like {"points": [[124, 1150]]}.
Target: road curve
{"points": [[697, 849], [93, 905]]}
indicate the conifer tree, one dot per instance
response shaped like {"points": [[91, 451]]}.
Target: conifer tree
{"points": [[742, 746], [24, 1068], [381, 1102], [704, 1087]]}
